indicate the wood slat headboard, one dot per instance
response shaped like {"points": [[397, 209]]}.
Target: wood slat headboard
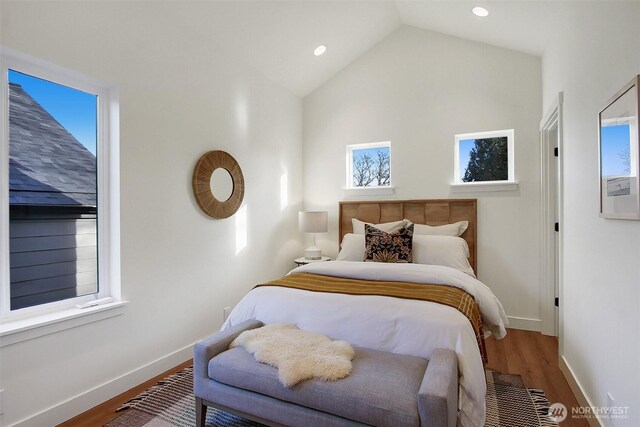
{"points": [[428, 211]]}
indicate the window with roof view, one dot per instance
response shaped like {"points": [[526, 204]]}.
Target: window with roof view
{"points": [[56, 249], [52, 191]]}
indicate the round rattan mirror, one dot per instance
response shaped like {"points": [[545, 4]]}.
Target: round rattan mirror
{"points": [[201, 182]]}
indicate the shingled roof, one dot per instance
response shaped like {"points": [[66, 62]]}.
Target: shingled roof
{"points": [[47, 165]]}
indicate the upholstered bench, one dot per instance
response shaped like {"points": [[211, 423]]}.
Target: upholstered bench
{"points": [[383, 389]]}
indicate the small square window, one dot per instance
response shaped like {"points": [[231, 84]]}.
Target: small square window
{"points": [[369, 165], [484, 157]]}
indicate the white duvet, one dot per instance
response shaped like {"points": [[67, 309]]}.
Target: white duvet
{"points": [[389, 324]]}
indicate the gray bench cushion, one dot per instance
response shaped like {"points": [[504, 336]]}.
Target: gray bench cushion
{"points": [[370, 395]]}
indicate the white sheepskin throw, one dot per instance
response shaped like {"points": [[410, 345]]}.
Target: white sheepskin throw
{"points": [[298, 355]]}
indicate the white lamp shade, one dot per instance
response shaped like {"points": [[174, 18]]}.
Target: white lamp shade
{"points": [[312, 222]]}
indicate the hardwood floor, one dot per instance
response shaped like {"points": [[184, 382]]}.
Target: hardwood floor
{"points": [[105, 412], [530, 354], [535, 357]]}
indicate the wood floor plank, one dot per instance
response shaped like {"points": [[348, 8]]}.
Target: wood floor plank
{"points": [[535, 357], [530, 354]]}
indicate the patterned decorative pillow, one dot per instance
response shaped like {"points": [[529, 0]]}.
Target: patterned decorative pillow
{"points": [[380, 246]]}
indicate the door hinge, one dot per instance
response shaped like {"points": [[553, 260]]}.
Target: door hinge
{"points": [[557, 302], [557, 226], [555, 151]]}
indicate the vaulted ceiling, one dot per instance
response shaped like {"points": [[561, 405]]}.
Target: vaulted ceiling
{"points": [[278, 37]]}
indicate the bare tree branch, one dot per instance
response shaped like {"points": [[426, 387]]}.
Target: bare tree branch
{"points": [[625, 158], [362, 170], [383, 172]]}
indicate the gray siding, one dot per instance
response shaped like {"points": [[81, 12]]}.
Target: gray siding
{"points": [[52, 259]]}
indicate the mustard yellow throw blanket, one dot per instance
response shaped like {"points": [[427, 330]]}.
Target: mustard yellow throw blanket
{"points": [[441, 294]]}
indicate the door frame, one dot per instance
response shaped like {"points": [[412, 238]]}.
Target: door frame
{"points": [[552, 120]]}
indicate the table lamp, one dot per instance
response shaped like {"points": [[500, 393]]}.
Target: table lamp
{"points": [[312, 222]]}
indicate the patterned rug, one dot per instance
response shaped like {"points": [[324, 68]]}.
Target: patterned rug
{"points": [[170, 403], [510, 403]]}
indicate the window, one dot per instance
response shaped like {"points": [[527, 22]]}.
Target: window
{"points": [[484, 157], [57, 215], [369, 165]]}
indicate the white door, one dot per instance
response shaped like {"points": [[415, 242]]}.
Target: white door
{"points": [[553, 177], [551, 232]]}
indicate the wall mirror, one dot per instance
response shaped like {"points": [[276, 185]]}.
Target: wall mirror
{"points": [[218, 184], [618, 140], [221, 184]]}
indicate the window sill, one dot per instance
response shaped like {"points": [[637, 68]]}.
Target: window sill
{"points": [[369, 191], [15, 331], [473, 187]]}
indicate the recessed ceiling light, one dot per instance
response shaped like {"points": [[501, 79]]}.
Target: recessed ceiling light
{"points": [[480, 11], [320, 50]]}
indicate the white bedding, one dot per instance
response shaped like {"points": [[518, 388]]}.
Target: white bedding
{"points": [[389, 324]]}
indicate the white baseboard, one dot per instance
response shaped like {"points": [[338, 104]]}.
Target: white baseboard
{"points": [[95, 396], [577, 390], [524, 323]]}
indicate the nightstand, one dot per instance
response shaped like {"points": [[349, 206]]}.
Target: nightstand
{"points": [[302, 260]]}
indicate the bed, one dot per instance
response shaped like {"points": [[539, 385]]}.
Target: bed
{"points": [[396, 325]]}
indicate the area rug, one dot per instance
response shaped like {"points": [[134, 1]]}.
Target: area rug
{"points": [[510, 403], [170, 403]]}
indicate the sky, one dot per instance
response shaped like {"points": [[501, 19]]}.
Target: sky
{"points": [[373, 152], [614, 140], [77, 112], [465, 146], [73, 109]]}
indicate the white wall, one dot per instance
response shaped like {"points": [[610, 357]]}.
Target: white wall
{"points": [[595, 52], [417, 89], [178, 99]]}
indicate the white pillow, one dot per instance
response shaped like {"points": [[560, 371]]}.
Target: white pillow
{"points": [[448, 251], [388, 227], [352, 248], [455, 229]]}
